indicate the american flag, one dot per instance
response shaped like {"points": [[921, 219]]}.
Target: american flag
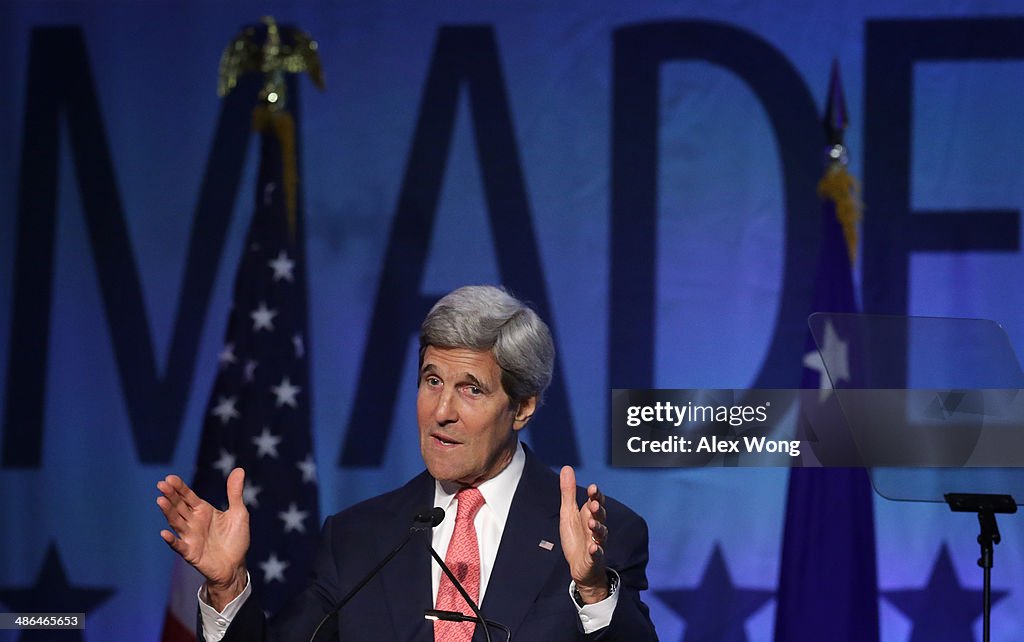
{"points": [[258, 413], [828, 588]]}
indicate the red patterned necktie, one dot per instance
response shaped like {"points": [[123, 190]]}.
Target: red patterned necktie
{"points": [[463, 558]]}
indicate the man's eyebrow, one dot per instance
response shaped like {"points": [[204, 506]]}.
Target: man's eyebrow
{"points": [[476, 382], [469, 377]]}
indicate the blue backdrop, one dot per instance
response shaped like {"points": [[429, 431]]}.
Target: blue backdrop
{"points": [[644, 172]]}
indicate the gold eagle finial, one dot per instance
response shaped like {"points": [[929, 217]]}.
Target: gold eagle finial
{"points": [[272, 51]]}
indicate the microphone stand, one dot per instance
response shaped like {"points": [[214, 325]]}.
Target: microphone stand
{"points": [[423, 521], [454, 616], [458, 585]]}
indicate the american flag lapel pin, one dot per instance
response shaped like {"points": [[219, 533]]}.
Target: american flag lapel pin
{"points": [[546, 545]]}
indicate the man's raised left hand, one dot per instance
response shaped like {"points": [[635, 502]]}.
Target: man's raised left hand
{"points": [[583, 532]]}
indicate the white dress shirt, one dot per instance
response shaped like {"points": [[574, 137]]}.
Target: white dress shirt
{"points": [[489, 523]]}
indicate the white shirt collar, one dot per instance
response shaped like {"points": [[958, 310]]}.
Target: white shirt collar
{"points": [[497, 491]]}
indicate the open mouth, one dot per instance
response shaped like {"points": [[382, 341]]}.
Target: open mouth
{"points": [[445, 440]]}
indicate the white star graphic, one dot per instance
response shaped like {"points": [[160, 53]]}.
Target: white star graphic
{"points": [[836, 354], [225, 409], [308, 468], [285, 393], [226, 463], [250, 494], [263, 318], [273, 569], [268, 192], [250, 370], [266, 443], [227, 356], [282, 267], [293, 519], [300, 347]]}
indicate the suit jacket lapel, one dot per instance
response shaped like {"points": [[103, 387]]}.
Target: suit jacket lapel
{"points": [[522, 565], [407, 578]]}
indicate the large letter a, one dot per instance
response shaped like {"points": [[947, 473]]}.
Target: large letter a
{"points": [[462, 55]]}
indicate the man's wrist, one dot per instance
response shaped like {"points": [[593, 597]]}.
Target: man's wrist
{"points": [[220, 595], [591, 594]]}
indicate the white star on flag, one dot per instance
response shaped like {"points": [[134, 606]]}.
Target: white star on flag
{"points": [[308, 468], [226, 463], [273, 569], [225, 409], [282, 267], [227, 355], [285, 393], [836, 352], [250, 370], [250, 494], [293, 519], [266, 443], [263, 317], [300, 347]]}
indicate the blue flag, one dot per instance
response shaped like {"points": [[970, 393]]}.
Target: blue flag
{"points": [[828, 586]]}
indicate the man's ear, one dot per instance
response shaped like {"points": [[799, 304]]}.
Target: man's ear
{"points": [[524, 411]]}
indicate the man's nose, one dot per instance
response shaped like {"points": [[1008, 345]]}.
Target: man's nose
{"points": [[446, 411]]}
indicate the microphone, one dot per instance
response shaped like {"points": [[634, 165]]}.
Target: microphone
{"points": [[462, 591], [422, 521], [428, 519], [453, 616]]}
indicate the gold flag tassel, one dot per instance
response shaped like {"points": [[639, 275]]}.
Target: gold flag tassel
{"points": [[841, 187], [282, 124], [281, 51]]}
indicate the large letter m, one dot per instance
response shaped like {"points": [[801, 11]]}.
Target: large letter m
{"points": [[60, 84]]}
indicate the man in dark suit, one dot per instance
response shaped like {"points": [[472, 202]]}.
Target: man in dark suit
{"points": [[529, 545]]}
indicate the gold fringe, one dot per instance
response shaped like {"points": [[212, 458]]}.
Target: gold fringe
{"points": [[284, 128], [840, 186]]}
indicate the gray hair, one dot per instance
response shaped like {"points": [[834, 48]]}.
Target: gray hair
{"points": [[485, 317]]}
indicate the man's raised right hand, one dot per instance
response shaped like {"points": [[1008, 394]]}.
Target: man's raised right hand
{"points": [[213, 541]]}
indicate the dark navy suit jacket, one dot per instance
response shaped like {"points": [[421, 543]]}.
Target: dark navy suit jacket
{"points": [[527, 591]]}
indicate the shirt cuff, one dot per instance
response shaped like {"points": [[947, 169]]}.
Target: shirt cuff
{"points": [[598, 615], [215, 625]]}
